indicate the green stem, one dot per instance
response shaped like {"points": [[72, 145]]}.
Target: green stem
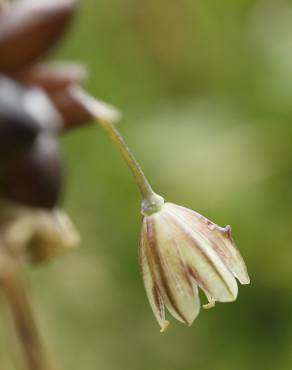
{"points": [[104, 115], [152, 202], [142, 182]]}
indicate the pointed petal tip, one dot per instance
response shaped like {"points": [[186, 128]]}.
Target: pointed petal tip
{"points": [[245, 281], [242, 276], [190, 317], [190, 322], [164, 326], [228, 231]]}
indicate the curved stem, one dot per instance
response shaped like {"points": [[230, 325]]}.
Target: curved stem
{"points": [[13, 288], [141, 180], [105, 116]]}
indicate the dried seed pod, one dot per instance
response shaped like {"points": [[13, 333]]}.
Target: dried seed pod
{"points": [[34, 177], [28, 29]]}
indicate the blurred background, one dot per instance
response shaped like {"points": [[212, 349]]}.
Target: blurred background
{"points": [[205, 88]]}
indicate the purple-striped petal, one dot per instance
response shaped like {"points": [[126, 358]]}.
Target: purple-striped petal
{"points": [[220, 240]]}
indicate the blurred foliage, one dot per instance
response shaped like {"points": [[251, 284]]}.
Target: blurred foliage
{"points": [[205, 88]]}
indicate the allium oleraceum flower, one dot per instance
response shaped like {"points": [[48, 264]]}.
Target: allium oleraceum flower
{"points": [[180, 250]]}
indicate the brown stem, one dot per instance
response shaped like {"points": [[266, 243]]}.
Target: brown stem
{"points": [[13, 288]]}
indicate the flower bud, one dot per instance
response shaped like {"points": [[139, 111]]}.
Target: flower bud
{"points": [[36, 235], [54, 235], [180, 250]]}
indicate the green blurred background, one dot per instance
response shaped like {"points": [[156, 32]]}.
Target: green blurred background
{"points": [[205, 88]]}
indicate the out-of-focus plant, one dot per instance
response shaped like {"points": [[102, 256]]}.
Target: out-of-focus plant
{"points": [[35, 108]]}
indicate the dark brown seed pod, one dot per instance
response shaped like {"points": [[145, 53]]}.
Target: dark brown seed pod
{"points": [[23, 114], [41, 108], [18, 129], [34, 177], [28, 29]]}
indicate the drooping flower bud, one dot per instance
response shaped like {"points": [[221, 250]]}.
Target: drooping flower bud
{"points": [[180, 250], [54, 234], [36, 235]]}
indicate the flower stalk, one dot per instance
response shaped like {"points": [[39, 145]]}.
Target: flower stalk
{"points": [[106, 117], [116, 137], [180, 250], [14, 292]]}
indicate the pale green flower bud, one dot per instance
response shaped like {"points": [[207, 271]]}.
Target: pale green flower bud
{"points": [[180, 250]]}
